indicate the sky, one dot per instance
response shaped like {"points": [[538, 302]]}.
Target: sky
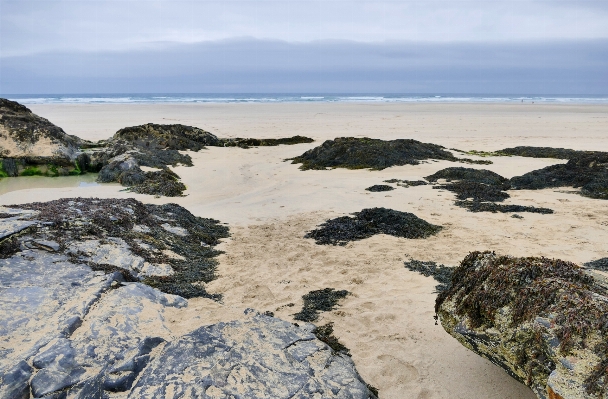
{"points": [[329, 46]]}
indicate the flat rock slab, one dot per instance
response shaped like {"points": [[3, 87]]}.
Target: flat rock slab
{"points": [[80, 319]]}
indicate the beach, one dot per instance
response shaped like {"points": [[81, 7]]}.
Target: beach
{"points": [[269, 204]]}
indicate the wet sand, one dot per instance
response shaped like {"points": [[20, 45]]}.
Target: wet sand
{"points": [[387, 322]]}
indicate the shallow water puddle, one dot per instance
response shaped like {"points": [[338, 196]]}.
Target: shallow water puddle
{"points": [[9, 184]]}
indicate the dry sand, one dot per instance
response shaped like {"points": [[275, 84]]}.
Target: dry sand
{"points": [[387, 322]]}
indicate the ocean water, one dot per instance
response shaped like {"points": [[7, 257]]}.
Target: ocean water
{"points": [[299, 98]]}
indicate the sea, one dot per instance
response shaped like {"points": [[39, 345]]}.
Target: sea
{"points": [[131, 98]]}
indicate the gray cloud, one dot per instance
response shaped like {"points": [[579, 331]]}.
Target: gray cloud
{"points": [[30, 26], [272, 66]]}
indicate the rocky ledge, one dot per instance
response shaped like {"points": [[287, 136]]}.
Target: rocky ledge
{"points": [[83, 315], [545, 321], [31, 145]]}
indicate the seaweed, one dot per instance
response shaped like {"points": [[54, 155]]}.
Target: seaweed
{"points": [[546, 152], [319, 300], [164, 182], [407, 183], [598, 264], [371, 221], [472, 175], [476, 206], [8, 247], [477, 191], [361, 153], [442, 274], [533, 287], [587, 171], [380, 187], [32, 171], [76, 219], [252, 142], [325, 334]]}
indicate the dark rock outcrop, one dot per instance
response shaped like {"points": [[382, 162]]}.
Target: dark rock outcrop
{"points": [[542, 320], [252, 142], [81, 319], [379, 188], [360, 153], [587, 171], [371, 221], [31, 145]]}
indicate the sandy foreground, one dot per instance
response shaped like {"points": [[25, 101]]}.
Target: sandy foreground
{"points": [[269, 204]]}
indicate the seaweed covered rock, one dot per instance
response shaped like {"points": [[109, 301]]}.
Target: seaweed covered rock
{"points": [[598, 264], [542, 320], [164, 246], [359, 153], [31, 145], [172, 137], [588, 171], [471, 175], [379, 188], [371, 221], [252, 142], [546, 152], [478, 192], [476, 206], [157, 146], [317, 301]]}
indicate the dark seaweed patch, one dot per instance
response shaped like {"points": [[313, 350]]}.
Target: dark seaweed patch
{"points": [[317, 301], [546, 152], [325, 334], [588, 171], [77, 219], [380, 187], [599, 264], [361, 153], [9, 247], [476, 191], [474, 206], [471, 175], [407, 183], [371, 221], [442, 274], [164, 182], [251, 142]]}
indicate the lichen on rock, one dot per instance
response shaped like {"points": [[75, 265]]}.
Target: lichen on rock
{"points": [[545, 321]]}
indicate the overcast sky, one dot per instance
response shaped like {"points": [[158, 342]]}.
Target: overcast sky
{"points": [[491, 46]]}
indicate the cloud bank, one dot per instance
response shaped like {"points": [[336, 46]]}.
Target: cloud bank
{"points": [[249, 65]]}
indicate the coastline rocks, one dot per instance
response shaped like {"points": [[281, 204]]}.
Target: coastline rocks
{"points": [[163, 246], [360, 153], [80, 318], [31, 145], [542, 320], [587, 171]]}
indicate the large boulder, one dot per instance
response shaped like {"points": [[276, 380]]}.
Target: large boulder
{"points": [[32, 144], [545, 321], [81, 317]]}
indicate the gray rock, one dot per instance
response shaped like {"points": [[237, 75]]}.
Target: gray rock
{"points": [[260, 357]]}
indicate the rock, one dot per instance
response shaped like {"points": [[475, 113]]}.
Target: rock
{"points": [[260, 357], [71, 326], [252, 142], [30, 144], [122, 236], [542, 320]]}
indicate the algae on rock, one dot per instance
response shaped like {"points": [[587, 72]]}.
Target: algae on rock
{"points": [[545, 321]]}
